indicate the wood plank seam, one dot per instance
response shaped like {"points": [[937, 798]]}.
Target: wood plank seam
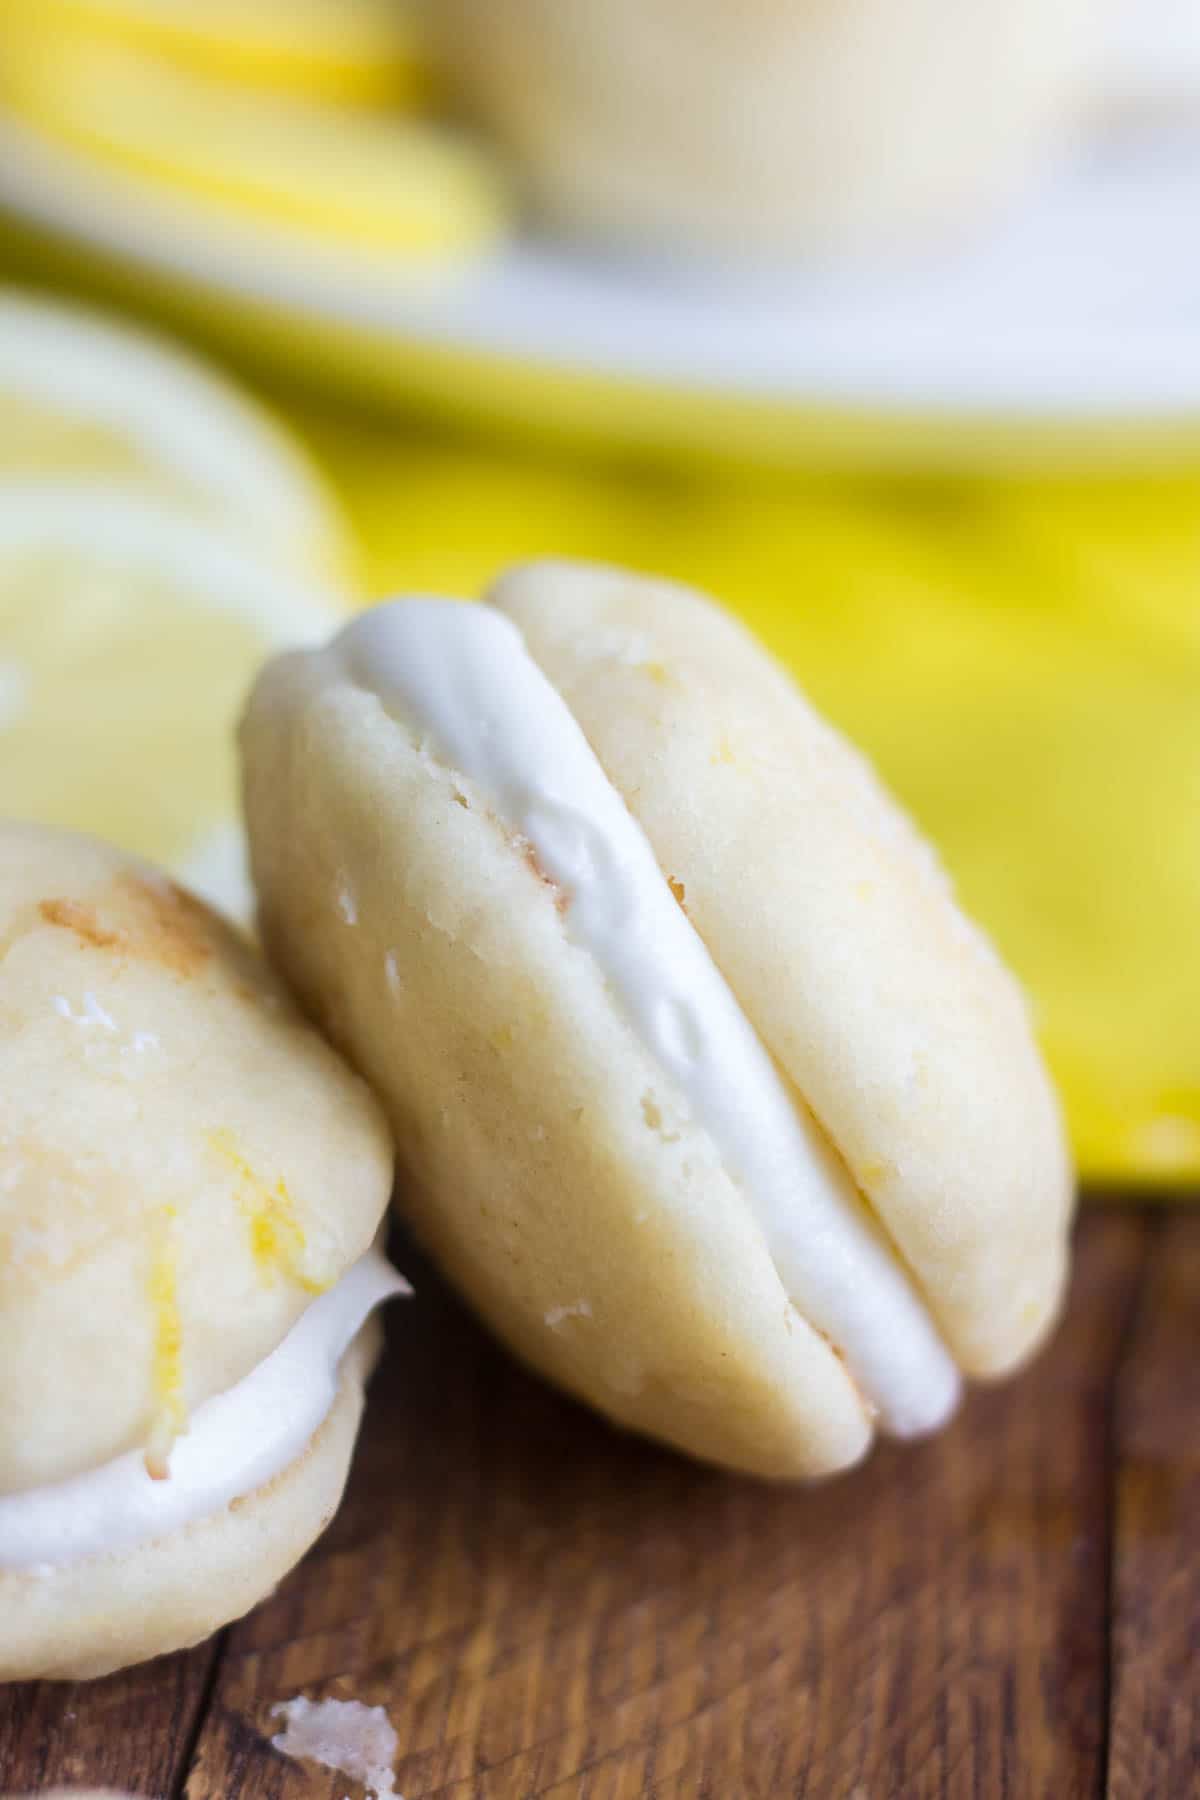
{"points": [[1152, 1226], [200, 1718], [1154, 1706]]}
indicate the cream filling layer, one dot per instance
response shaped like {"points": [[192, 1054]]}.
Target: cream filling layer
{"points": [[459, 674], [235, 1442]]}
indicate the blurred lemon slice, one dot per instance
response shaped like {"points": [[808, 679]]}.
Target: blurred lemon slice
{"points": [[81, 396], [129, 635], [339, 49], [361, 180]]}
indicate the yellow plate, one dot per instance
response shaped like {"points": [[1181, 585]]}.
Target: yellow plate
{"points": [[1066, 343]]}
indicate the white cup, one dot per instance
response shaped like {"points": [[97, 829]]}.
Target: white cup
{"points": [[771, 129]]}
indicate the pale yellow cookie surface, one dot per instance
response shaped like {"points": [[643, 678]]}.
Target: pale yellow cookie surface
{"points": [[604, 1241], [837, 931], [184, 1164]]}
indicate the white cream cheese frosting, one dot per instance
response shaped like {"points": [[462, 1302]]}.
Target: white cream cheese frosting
{"points": [[235, 1441], [460, 676]]}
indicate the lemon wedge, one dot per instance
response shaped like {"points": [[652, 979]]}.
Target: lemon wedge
{"points": [[340, 49], [81, 396], [363, 181], [129, 635]]}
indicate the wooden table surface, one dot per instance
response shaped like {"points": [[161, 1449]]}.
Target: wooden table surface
{"points": [[546, 1607]]}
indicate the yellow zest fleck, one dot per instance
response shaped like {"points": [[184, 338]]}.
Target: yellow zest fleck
{"points": [[277, 1238], [1167, 1141], [170, 1417], [657, 672], [724, 752]]}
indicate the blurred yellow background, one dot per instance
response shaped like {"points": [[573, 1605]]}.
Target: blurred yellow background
{"points": [[1019, 653], [1021, 658]]}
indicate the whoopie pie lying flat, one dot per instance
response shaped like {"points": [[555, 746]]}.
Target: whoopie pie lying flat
{"points": [[191, 1183]]}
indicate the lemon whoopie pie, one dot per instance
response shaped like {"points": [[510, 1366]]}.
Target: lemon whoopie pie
{"points": [[191, 1186], [707, 1095]]}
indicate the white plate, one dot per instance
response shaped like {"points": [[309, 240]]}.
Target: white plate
{"points": [[1079, 315]]}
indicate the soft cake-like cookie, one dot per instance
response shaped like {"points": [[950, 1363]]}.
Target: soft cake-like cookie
{"points": [[191, 1183], [708, 1095]]}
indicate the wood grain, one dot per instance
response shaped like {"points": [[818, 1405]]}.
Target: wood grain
{"points": [[1155, 1699], [548, 1608], [133, 1731]]}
